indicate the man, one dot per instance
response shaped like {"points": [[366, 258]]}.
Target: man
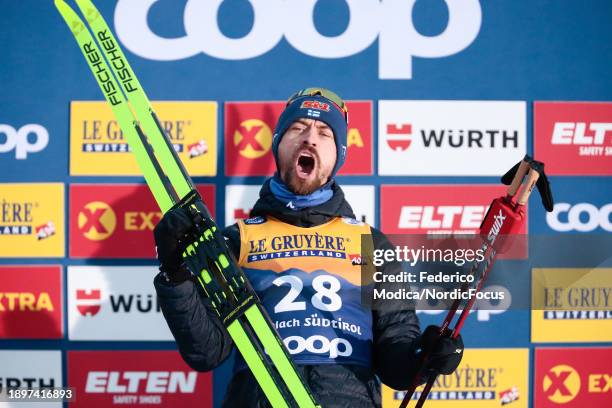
{"points": [[295, 251]]}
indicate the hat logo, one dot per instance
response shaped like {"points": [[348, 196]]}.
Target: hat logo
{"points": [[315, 105]]}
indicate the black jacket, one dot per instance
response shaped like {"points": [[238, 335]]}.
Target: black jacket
{"points": [[204, 343]]}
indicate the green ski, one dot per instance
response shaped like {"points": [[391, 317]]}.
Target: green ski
{"points": [[208, 256]]}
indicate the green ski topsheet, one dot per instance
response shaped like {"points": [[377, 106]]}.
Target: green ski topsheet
{"points": [[170, 184]]}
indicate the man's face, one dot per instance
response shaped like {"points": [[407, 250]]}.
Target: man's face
{"points": [[306, 155]]}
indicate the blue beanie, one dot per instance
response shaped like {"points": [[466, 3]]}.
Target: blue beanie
{"points": [[319, 108]]}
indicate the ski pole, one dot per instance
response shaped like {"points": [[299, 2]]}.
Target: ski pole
{"points": [[505, 216]]}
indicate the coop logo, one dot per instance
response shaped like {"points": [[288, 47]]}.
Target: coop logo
{"points": [[574, 138], [30, 138], [561, 384], [16, 217], [88, 302], [388, 22], [581, 217], [97, 221], [253, 138], [317, 344]]}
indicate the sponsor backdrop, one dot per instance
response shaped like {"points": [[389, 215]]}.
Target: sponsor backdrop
{"points": [[444, 96]]}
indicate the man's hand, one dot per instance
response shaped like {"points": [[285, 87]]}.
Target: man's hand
{"points": [[171, 238], [444, 353]]}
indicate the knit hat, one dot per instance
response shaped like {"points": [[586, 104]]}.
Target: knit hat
{"points": [[311, 104]]}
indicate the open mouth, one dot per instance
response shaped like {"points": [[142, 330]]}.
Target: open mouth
{"points": [[305, 164]]}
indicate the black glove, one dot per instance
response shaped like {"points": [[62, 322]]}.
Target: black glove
{"points": [[443, 353], [171, 238], [542, 184]]}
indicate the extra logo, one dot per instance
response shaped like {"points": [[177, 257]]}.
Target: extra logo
{"points": [[561, 384], [581, 217], [115, 220], [388, 23], [30, 138], [253, 138], [448, 137], [565, 378], [317, 344], [31, 302], [97, 221], [574, 138]]}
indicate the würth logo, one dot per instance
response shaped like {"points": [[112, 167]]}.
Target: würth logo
{"points": [[399, 136], [88, 302]]}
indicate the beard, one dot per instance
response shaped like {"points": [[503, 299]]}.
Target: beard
{"points": [[298, 185]]}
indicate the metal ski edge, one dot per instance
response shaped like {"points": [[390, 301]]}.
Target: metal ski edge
{"points": [[116, 101], [169, 160]]}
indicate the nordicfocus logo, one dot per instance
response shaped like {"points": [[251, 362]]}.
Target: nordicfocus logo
{"points": [[589, 137], [97, 221], [582, 217], [442, 217], [399, 137], [253, 138], [89, 302], [30, 138], [317, 344], [497, 225], [274, 20], [561, 384], [149, 382]]}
